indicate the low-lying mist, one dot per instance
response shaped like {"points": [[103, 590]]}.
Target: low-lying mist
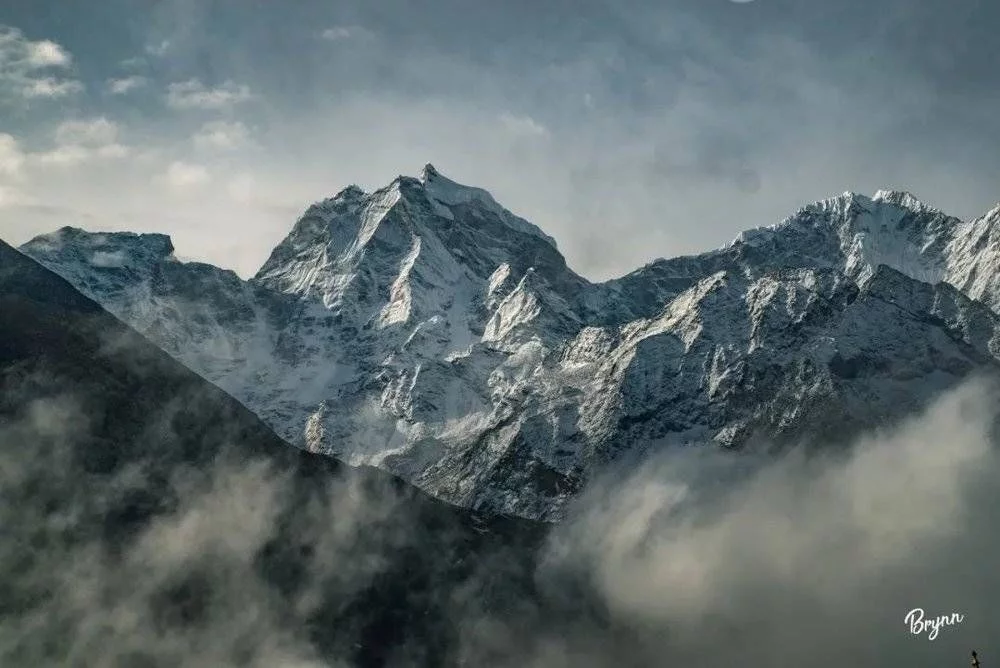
{"points": [[808, 560], [698, 558]]}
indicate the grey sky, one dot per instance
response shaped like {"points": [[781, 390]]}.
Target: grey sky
{"points": [[626, 130]]}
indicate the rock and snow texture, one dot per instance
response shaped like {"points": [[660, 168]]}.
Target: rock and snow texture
{"points": [[425, 329]]}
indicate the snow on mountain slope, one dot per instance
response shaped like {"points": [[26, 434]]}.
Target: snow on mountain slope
{"points": [[850, 233], [975, 259], [426, 329]]}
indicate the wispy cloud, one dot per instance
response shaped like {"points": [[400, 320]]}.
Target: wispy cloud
{"points": [[13, 197], [12, 159], [241, 187], [97, 131], [50, 87], [133, 63], [72, 154], [193, 94], [816, 559], [63, 156], [126, 84], [11, 155], [79, 141], [160, 48], [693, 561], [338, 33], [184, 175], [222, 135], [656, 116], [25, 65], [522, 125]]}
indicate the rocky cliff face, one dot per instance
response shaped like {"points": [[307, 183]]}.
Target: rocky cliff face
{"points": [[425, 329]]}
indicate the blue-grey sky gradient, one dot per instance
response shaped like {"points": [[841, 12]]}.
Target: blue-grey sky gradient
{"points": [[627, 130]]}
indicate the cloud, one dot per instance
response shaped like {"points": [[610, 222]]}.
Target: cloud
{"points": [[108, 259], [160, 48], [126, 84], [113, 151], [815, 559], [202, 560], [697, 558], [47, 53], [241, 187], [193, 94], [183, 175], [64, 156], [94, 132], [222, 135], [685, 121], [52, 88], [186, 590], [133, 63], [73, 154], [17, 49], [11, 197], [11, 156], [337, 33], [345, 32], [79, 141], [24, 64], [522, 125]]}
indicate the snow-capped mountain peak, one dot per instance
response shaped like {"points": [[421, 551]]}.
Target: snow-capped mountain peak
{"points": [[424, 328], [443, 190], [364, 252], [903, 199], [102, 263], [858, 233]]}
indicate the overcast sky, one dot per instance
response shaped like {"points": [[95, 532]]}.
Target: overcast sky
{"points": [[626, 130]]}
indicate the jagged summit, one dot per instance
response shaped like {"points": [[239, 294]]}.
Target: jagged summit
{"points": [[428, 173], [449, 193], [351, 192], [901, 198], [852, 213], [430, 229], [851, 203]]}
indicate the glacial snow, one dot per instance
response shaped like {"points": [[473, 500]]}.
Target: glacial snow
{"points": [[425, 329]]}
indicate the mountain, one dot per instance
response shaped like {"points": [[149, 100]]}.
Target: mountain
{"points": [[427, 330], [150, 519]]}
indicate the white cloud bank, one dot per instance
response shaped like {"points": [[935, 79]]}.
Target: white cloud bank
{"points": [[809, 560]]}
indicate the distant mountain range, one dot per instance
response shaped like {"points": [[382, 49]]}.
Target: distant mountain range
{"points": [[426, 330]]}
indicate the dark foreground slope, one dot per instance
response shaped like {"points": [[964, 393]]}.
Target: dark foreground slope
{"points": [[150, 519]]}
